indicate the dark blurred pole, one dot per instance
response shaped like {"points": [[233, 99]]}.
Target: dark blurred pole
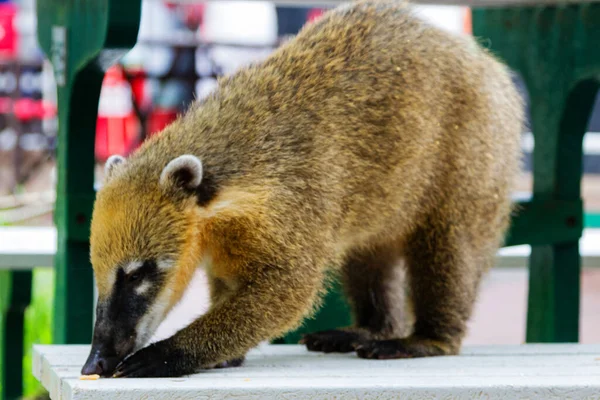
{"points": [[291, 19]]}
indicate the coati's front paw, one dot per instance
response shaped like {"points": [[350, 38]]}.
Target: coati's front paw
{"points": [[236, 362], [158, 360], [409, 347], [333, 341], [164, 360]]}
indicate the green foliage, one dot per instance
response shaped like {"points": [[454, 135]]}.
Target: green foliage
{"points": [[38, 323]]}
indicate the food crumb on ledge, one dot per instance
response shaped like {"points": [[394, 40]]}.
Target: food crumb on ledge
{"points": [[89, 377]]}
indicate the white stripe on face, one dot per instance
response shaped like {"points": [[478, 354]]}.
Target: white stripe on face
{"points": [[152, 319], [143, 288], [132, 267], [158, 307], [164, 264]]}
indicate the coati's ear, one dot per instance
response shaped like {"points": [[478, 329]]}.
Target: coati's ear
{"points": [[184, 172], [111, 166]]}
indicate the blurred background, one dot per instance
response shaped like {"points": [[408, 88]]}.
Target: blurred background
{"points": [[182, 48]]}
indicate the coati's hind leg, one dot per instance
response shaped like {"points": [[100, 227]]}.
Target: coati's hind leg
{"points": [[444, 269], [375, 290]]}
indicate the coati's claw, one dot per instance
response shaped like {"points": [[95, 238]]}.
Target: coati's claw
{"points": [[154, 361], [332, 341], [401, 348], [236, 362], [382, 350]]}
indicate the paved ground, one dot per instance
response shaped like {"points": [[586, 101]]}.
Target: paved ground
{"points": [[499, 317]]}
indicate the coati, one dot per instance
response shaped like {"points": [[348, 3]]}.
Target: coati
{"points": [[371, 141]]}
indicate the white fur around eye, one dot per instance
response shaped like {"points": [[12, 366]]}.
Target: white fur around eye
{"points": [[164, 264], [132, 267], [143, 288], [187, 162]]}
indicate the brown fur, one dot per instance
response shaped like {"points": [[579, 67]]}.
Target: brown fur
{"points": [[371, 139]]}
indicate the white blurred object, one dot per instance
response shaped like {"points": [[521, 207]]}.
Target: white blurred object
{"points": [[204, 87], [8, 139], [48, 82], [53, 176], [49, 125], [115, 99], [25, 23], [33, 141], [231, 59], [227, 26], [156, 24], [240, 22], [204, 66], [450, 18]]}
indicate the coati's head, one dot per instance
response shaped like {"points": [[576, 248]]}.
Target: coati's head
{"points": [[145, 248]]}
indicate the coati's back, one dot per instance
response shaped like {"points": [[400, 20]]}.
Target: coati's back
{"points": [[364, 110]]}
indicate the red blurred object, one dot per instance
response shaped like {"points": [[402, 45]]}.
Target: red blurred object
{"points": [[193, 15], [117, 127], [468, 22], [138, 86], [27, 109], [116, 136], [49, 110], [8, 34], [190, 14], [170, 5], [159, 119], [5, 105], [314, 14]]}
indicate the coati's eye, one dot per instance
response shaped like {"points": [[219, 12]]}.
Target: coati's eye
{"points": [[138, 271]]}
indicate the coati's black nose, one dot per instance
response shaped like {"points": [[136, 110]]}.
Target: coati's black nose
{"points": [[99, 364]]}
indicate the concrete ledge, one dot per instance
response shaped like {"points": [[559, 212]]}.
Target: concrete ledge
{"points": [[548, 371]]}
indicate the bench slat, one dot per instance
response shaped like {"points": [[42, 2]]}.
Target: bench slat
{"points": [[27, 247], [544, 371]]}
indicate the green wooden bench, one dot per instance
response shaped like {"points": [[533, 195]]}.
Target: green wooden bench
{"points": [[552, 45], [21, 250]]}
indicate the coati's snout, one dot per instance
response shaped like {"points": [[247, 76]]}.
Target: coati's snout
{"points": [[108, 349], [112, 341], [127, 318]]}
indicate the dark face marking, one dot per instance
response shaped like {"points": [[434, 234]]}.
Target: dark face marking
{"points": [[118, 316], [204, 193], [207, 190], [125, 304]]}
